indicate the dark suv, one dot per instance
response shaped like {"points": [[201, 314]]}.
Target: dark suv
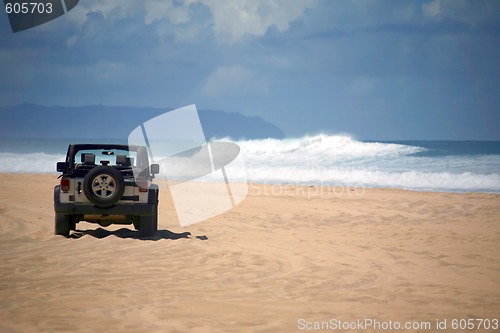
{"points": [[106, 184]]}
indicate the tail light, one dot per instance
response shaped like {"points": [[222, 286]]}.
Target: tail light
{"points": [[65, 185], [143, 186]]}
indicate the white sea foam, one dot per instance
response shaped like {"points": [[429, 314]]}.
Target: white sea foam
{"points": [[334, 160], [341, 160], [29, 163]]}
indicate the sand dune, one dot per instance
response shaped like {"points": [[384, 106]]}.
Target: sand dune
{"points": [[284, 257]]}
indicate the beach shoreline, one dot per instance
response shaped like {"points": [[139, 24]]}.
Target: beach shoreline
{"points": [[323, 187], [286, 257]]}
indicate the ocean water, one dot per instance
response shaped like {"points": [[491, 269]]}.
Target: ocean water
{"points": [[452, 166]]}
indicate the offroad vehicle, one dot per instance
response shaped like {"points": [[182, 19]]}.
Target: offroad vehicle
{"points": [[106, 184]]}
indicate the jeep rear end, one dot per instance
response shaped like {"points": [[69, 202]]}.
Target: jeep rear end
{"points": [[106, 184]]}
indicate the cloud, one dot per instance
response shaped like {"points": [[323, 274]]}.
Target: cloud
{"points": [[237, 19], [233, 80], [468, 12], [230, 21], [432, 9], [157, 10], [110, 10]]}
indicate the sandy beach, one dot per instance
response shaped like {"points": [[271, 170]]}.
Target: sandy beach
{"points": [[286, 259]]}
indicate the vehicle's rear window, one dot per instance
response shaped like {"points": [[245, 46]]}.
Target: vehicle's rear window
{"points": [[113, 156]]}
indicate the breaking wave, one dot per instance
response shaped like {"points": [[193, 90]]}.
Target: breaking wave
{"points": [[342, 160], [334, 160]]}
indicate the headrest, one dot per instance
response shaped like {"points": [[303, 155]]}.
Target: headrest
{"points": [[88, 158], [121, 159]]}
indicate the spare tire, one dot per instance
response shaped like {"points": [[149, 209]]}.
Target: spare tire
{"points": [[103, 186]]}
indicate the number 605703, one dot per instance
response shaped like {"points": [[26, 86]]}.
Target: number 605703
{"points": [[29, 8]]}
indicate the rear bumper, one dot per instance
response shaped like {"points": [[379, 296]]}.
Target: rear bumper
{"points": [[85, 209], [136, 209]]}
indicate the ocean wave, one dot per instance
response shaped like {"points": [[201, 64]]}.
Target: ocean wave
{"points": [[322, 145], [333, 160], [342, 160], [29, 163], [375, 177]]}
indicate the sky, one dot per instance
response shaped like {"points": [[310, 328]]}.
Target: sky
{"points": [[374, 69]]}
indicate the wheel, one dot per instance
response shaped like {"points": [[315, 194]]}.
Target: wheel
{"points": [[148, 225], [103, 186], [72, 222], [62, 225], [137, 224]]}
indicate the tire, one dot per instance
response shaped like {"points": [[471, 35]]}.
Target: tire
{"points": [[72, 222], [103, 186], [148, 225], [137, 224], [62, 225]]}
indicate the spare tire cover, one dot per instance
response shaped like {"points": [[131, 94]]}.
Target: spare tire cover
{"points": [[103, 186]]}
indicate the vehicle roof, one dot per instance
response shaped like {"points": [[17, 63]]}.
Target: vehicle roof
{"points": [[82, 146]]}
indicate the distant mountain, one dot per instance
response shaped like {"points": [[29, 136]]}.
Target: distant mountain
{"points": [[110, 122]]}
